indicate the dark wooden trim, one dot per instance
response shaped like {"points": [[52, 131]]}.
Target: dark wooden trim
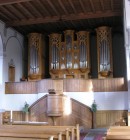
{"points": [[6, 2], [64, 18]]}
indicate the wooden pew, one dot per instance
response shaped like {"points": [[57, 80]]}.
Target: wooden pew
{"points": [[34, 134], [74, 129], [118, 133], [23, 136], [66, 131]]}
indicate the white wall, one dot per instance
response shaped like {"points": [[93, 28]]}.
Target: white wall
{"points": [[104, 100], [1, 60], [14, 52], [17, 101], [127, 13], [127, 43], [11, 45]]}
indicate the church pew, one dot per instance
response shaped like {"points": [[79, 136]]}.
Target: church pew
{"points": [[118, 133], [118, 137], [119, 127], [26, 133], [27, 136], [67, 131]]}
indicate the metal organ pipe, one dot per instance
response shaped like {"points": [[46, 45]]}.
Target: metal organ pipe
{"points": [[104, 56], [52, 61], [84, 56]]}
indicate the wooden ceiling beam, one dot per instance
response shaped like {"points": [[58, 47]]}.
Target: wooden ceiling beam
{"points": [[34, 9], [64, 18], [92, 5], [63, 7], [8, 12], [16, 11], [112, 7], [82, 5], [43, 7], [72, 5], [53, 7], [6, 2], [25, 10], [4, 16], [102, 5]]}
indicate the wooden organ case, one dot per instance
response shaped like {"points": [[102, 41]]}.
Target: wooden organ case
{"points": [[35, 56], [104, 52], [69, 59]]}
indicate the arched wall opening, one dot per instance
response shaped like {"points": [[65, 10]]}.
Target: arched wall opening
{"points": [[14, 53], [1, 60]]}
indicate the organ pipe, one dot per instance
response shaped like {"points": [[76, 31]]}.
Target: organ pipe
{"points": [[104, 45], [35, 63], [69, 59], [54, 40]]}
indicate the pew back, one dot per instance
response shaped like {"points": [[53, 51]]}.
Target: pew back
{"points": [[66, 132]]}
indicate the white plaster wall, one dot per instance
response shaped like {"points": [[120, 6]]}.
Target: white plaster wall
{"points": [[104, 100], [12, 44], [127, 13], [40, 95], [14, 51], [17, 101], [1, 61]]}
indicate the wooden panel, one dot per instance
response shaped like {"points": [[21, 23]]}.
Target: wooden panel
{"points": [[109, 85], [38, 110], [71, 85], [110, 117], [44, 85], [11, 74], [56, 104], [16, 116], [85, 85], [20, 88], [95, 85], [81, 114], [67, 85]]}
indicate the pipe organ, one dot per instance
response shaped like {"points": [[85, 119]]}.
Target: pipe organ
{"points": [[104, 52], [54, 43], [35, 60], [69, 55], [83, 43], [69, 59]]}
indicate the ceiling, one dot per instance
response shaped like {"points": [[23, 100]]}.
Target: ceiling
{"points": [[47, 16]]}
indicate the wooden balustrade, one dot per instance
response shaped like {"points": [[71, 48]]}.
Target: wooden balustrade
{"points": [[66, 85]]}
